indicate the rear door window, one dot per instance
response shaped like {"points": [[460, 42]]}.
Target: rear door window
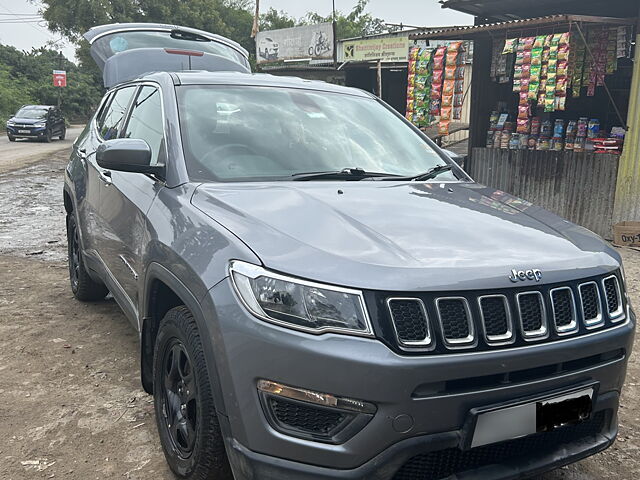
{"points": [[111, 123], [146, 122]]}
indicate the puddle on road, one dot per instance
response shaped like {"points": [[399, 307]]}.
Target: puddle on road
{"points": [[32, 217]]}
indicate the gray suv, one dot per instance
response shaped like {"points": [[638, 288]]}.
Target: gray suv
{"points": [[320, 292]]}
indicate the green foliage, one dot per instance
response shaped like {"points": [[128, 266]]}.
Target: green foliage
{"points": [[25, 78]]}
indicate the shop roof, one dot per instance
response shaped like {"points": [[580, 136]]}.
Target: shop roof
{"points": [[554, 21], [518, 9]]}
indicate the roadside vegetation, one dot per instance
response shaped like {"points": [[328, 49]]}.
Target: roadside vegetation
{"points": [[25, 77]]}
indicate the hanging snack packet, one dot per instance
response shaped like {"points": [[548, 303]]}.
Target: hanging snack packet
{"points": [[447, 101], [520, 58], [516, 85], [454, 47], [561, 87], [523, 125], [533, 90], [535, 73], [524, 85], [421, 82], [450, 72], [565, 38], [452, 58], [435, 107], [443, 128], [563, 53], [549, 104], [517, 72], [556, 39], [560, 104], [411, 92], [412, 67], [457, 113], [528, 43], [448, 88], [425, 54], [438, 76], [458, 99], [413, 53], [510, 46], [436, 91], [524, 111], [524, 98], [445, 113], [527, 55], [536, 56], [526, 71], [539, 41], [563, 68], [459, 86]]}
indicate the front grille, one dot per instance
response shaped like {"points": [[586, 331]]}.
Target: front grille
{"points": [[496, 318], [612, 295], [590, 301], [444, 463], [410, 321], [564, 310], [307, 419], [455, 320], [532, 314], [444, 322]]}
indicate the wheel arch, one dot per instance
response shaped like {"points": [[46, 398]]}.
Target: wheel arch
{"points": [[164, 291]]}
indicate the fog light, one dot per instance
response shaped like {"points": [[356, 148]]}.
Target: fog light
{"points": [[313, 415]]}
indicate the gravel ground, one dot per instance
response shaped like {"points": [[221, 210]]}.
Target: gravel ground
{"points": [[72, 405]]}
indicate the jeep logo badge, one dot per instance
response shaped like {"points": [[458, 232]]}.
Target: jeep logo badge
{"points": [[524, 275]]}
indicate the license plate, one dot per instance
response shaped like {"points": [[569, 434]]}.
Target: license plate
{"points": [[24, 131], [537, 416]]}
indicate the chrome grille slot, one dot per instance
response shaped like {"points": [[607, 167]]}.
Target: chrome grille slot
{"points": [[590, 304], [564, 310], [496, 319], [410, 322], [533, 318], [613, 297], [455, 320]]}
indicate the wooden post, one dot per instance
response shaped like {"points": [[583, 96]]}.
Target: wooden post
{"points": [[380, 78], [627, 202]]}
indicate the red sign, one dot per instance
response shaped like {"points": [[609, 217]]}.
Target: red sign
{"points": [[59, 78]]}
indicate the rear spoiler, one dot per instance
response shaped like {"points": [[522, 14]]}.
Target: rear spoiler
{"points": [[132, 64]]}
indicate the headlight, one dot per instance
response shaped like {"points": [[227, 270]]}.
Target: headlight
{"points": [[299, 304], [10, 123], [40, 125]]}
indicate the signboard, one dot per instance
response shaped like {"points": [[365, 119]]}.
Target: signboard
{"points": [[310, 42], [386, 49], [59, 78]]}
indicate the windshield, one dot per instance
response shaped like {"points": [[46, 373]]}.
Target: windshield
{"points": [[33, 113], [233, 133], [107, 46]]}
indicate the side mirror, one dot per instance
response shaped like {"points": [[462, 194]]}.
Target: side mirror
{"points": [[127, 155]]}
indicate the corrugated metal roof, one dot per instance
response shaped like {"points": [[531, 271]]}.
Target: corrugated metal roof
{"points": [[514, 9], [553, 20]]}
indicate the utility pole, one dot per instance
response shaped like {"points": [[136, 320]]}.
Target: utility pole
{"points": [[60, 59], [335, 39]]}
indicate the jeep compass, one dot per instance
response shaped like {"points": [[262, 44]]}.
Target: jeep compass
{"points": [[331, 297]]}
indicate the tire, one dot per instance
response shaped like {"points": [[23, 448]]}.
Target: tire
{"points": [[12, 138], [63, 133], [84, 288], [48, 136], [185, 412]]}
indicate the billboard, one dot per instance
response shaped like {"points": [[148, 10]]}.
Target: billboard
{"points": [[391, 49], [310, 42]]}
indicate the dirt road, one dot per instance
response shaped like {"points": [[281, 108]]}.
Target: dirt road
{"points": [[72, 406], [18, 154]]}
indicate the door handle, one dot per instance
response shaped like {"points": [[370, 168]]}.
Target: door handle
{"points": [[105, 176]]}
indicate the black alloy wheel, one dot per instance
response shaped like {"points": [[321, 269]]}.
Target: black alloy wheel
{"points": [[178, 397]]}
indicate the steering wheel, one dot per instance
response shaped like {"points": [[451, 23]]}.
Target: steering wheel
{"points": [[218, 153]]}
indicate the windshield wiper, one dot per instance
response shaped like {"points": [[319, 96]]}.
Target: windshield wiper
{"points": [[351, 174], [428, 175]]}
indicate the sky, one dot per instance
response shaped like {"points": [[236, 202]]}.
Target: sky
{"points": [[20, 26]]}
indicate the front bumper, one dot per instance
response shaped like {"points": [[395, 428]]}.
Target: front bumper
{"points": [[33, 132], [247, 349]]}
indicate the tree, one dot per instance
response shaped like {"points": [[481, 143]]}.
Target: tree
{"points": [[357, 23], [275, 20]]}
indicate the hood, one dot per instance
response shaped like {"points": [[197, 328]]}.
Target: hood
{"points": [[27, 121], [403, 236]]}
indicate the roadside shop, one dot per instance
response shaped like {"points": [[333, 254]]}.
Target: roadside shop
{"points": [[552, 99]]}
